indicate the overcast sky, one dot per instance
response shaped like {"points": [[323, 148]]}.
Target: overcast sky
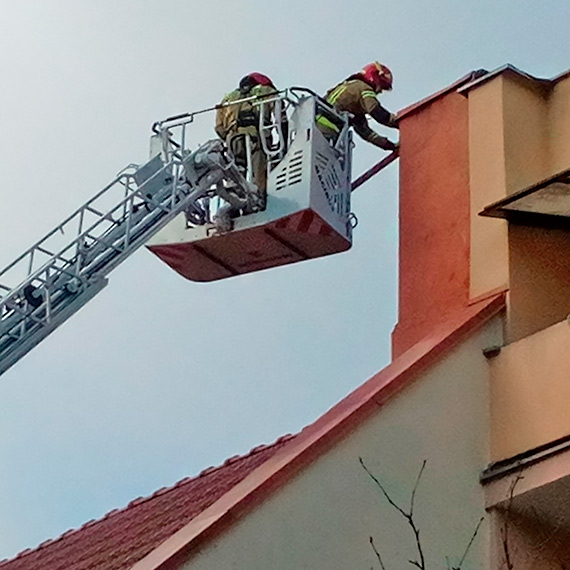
{"points": [[158, 377]]}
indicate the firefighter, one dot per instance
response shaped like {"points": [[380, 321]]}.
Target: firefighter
{"points": [[357, 95], [234, 122]]}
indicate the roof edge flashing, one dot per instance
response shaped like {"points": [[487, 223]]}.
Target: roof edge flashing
{"points": [[560, 77], [514, 72]]}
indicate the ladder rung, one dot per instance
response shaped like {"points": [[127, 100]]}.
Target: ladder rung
{"points": [[44, 250], [94, 211]]}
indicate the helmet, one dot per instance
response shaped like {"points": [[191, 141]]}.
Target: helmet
{"points": [[253, 79], [261, 79], [377, 76]]}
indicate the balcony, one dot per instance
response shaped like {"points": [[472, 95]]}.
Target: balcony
{"points": [[530, 393]]}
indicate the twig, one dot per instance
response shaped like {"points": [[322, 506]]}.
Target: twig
{"points": [[388, 498], [377, 553], [505, 529], [416, 487], [421, 565], [458, 567]]}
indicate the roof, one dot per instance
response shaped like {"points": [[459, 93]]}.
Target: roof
{"points": [[315, 439], [156, 532], [477, 78], [514, 72], [124, 536]]}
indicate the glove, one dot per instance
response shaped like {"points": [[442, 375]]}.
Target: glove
{"points": [[389, 145], [393, 121]]}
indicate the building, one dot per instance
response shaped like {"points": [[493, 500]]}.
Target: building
{"points": [[477, 388]]}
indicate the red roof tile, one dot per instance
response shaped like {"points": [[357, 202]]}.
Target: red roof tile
{"points": [[316, 438], [124, 536], [157, 532]]}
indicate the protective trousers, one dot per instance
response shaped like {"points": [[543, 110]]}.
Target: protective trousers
{"points": [[237, 145]]}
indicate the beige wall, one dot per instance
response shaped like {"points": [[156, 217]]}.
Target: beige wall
{"points": [[508, 151], [559, 126], [526, 132], [487, 180], [537, 146], [530, 391], [323, 518], [519, 135], [540, 279]]}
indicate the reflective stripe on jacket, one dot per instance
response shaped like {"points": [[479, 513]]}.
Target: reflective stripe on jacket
{"points": [[358, 99], [354, 96], [322, 121]]}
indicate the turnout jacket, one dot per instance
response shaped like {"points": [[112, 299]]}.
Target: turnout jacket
{"points": [[242, 117], [358, 99]]}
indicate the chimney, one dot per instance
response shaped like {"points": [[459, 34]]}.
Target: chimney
{"points": [[434, 214]]}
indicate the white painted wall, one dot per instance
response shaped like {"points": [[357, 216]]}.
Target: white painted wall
{"points": [[323, 518]]}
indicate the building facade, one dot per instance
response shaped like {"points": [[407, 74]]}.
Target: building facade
{"points": [[475, 398]]}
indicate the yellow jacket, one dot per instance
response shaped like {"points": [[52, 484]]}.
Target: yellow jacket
{"points": [[358, 99], [242, 117]]}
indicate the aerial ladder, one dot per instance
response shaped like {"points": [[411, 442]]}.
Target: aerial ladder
{"points": [[170, 203]]}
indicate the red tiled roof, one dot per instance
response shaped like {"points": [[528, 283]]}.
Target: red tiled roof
{"points": [[157, 532], [123, 537], [320, 436]]}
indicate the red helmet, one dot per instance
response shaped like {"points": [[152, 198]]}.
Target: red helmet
{"points": [[261, 79], [378, 76], [253, 79]]}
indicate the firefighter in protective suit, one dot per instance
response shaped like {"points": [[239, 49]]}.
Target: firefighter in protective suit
{"points": [[235, 122], [357, 96]]}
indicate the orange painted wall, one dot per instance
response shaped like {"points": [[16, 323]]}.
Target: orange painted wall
{"points": [[434, 218]]}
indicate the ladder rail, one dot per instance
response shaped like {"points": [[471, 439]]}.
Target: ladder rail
{"points": [[82, 232], [59, 228], [62, 271], [73, 274], [74, 248]]}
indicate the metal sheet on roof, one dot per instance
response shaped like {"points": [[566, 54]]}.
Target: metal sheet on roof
{"points": [[544, 204]]}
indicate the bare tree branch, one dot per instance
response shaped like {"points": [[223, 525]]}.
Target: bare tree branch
{"points": [[458, 567], [408, 516], [380, 486], [505, 529], [506, 552], [420, 564], [416, 487], [377, 553]]}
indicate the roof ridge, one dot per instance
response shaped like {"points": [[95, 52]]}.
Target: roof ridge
{"points": [[143, 500]]}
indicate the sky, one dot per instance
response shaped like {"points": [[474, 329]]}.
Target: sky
{"points": [[158, 378]]}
